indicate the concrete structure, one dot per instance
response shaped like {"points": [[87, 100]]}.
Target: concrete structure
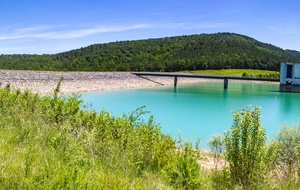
{"points": [[225, 78], [290, 77]]}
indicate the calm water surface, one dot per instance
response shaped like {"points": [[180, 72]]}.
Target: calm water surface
{"points": [[203, 109]]}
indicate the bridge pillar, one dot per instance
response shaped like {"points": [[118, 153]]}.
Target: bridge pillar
{"points": [[225, 83], [175, 81]]}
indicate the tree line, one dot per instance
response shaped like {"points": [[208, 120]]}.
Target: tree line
{"points": [[169, 54]]}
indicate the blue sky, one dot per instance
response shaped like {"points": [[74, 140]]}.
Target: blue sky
{"points": [[53, 26]]}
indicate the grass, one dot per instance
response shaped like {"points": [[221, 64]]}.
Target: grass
{"points": [[238, 72]]}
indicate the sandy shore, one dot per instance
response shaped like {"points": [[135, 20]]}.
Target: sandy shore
{"points": [[43, 82]]}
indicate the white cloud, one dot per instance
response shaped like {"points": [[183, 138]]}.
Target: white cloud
{"points": [[15, 49], [287, 29], [202, 25], [11, 37], [208, 25], [62, 31], [92, 31], [47, 32], [35, 29], [53, 39]]}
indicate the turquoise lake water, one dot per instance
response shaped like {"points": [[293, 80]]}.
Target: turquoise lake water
{"points": [[203, 109]]}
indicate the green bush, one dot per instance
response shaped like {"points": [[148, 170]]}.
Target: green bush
{"points": [[245, 147], [217, 145], [184, 171], [284, 153]]}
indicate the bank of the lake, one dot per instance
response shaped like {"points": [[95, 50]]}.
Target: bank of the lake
{"points": [[94, 83], [43, 82]]}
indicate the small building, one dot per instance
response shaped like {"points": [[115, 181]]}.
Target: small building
{"points": [[290, 77]]}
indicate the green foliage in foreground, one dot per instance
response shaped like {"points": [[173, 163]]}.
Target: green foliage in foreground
{"points": [[245, 147], [285, 152], [250, 162], [52, 142]]}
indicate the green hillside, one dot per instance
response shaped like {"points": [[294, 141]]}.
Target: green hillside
{"points": [[193, 52]]}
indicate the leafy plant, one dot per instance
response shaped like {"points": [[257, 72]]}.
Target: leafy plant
{"points": [[217, 145], [245, 147], [184, 171], [286, 152]]}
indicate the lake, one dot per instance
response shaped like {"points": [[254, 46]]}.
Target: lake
{"points": [[202, 109]]}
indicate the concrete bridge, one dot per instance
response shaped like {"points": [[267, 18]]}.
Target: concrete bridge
{"points": [[188, 75]]}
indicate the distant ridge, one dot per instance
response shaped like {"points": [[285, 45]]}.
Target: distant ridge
{"points": [[191, 52]]}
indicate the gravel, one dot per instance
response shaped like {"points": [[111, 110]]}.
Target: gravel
{"points": [[44, 82]]}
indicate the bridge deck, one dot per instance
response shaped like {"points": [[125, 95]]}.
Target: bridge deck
{"points": [[188, 75]]}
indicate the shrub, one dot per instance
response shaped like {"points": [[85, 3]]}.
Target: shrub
{"points": [[286, 152], [184, 170], [245, 147], [216, 144]]}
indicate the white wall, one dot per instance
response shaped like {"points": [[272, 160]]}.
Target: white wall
{"points": [[283, 70], [295, 73]]}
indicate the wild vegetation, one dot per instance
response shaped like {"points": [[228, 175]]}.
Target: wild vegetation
{"points": [[56, 142], [245, 148], [179, 53], [52, 142]]}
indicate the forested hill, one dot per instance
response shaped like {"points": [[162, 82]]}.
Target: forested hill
{"points": [[204, 51]]}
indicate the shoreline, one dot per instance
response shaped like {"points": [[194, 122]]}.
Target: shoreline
{"points": [[44, 82]]}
